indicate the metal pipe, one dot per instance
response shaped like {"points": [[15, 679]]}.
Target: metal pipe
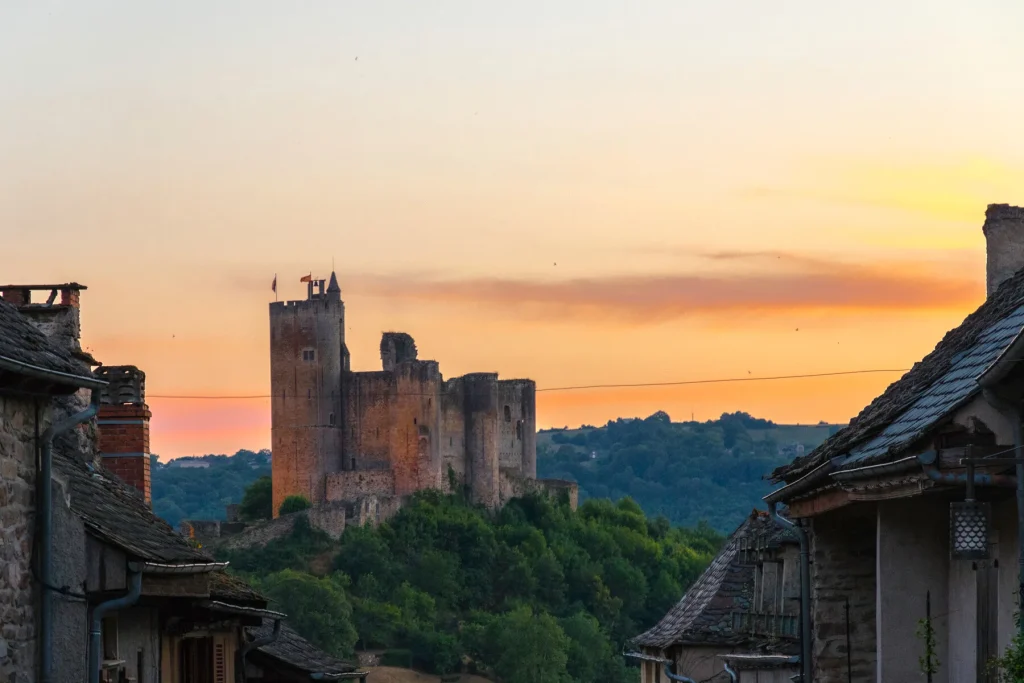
{"points": [[804, 483], [244, 651], [732, 674], [805, 587], [45, 508], [676, 677], [179, 569], [928, 461], [98, 612]]}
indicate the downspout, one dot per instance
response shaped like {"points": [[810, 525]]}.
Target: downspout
{"points": [[1013, 411], [676, 677], [100, 610], [729, 670], [45, 508], [240, 675], [805, 588]]}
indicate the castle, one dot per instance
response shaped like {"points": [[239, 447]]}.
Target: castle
{"points": [[363, 440]]}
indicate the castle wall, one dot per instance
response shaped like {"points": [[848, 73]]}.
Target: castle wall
{"points": [[368, 402], [482, 432], [512, 484], [453, 433], [517, 423], [348, 486], [306, 342]]}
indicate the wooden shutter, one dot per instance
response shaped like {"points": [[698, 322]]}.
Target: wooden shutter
{"points": [[220, 662]]}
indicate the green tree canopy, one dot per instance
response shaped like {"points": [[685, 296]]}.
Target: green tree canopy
{"points": [[258, 501], [294, 504], [317, 608]]}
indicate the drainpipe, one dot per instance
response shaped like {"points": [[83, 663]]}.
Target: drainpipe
{"points": [[1013, 411], [45, 508], [100, 610], [240, 675], [676, 677], [805, 588], [928, 461], [728, 670]]}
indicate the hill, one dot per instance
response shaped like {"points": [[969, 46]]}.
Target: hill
{"points": [[533, 593], [201, 487], [686, 471]]}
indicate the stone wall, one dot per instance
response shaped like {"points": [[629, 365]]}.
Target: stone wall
{"points": [[517, 424], [481, 416], [17, 521], [514, 485], [453, 433], [331, 518], [349, 486], [843, 545]]}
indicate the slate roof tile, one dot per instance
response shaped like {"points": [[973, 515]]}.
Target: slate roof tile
{"points": [[292, 649], [22, 342]]}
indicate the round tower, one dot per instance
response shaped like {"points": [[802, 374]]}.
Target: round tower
{"points": [[307, 341]]}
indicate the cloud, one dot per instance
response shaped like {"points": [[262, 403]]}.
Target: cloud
{"points": [[804, 284]]}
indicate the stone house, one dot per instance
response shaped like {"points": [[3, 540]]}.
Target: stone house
{"points": [[93, 585], [884, 498], [742, 611]]}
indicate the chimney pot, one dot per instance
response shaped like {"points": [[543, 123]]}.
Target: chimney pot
{"points": [[1004, 235]]}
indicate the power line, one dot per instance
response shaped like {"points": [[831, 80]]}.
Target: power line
{"points": [[725, 380]]}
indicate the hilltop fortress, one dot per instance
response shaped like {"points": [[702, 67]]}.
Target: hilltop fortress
{"points": [[363, 440]]}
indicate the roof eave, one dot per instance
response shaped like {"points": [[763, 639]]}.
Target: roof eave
{"points": [[52, 376]]}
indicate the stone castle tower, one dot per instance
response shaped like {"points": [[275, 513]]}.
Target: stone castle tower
{"points": [[366, 439]]}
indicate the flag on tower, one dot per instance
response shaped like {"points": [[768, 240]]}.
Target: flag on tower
{"points": [[273, 285], [307, 278]]}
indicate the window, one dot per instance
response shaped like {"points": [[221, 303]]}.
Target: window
{"points": [[196, 660], [519, 430], [330, 419], [414, 421], [508, 414], [309, 355]]}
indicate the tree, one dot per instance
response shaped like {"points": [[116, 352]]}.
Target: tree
{"points": [[530, 648], [317, 608], [294, 504], [258, 500]]}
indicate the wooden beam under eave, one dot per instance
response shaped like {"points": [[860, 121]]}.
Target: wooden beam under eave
{"points": [[817, 504]]}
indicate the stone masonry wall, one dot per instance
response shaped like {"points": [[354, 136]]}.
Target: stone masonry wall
{"points": [[17, 519], [843, 545], [349, 486], [514, 485], [453, 433]]}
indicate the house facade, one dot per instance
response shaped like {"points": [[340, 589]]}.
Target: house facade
{"points": [[741, 613], [910, 568], [94, 586]]}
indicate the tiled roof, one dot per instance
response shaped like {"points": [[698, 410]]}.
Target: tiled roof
{"points": [[118, 515], [704, 614], [232, 589], [293, 650], [916, 403], [21, 342]]}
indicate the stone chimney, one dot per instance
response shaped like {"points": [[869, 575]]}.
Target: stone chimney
{"points": [[1004, 234], [123, 423]]}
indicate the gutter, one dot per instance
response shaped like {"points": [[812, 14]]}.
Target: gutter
{"points": [[804, 483], [929, 463], [805, 587], [55, 376], [45, 509], [897, 467], [240, 675], [240, 610], [181, 569], [728, 670], [98, 612]]}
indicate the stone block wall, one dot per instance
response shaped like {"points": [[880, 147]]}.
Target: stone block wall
{"points": [[453, 433], [843, 551], [349, 486], [514, 485], [17, 521]]}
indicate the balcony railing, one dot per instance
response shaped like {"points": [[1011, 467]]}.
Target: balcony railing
{"points": [[766, 624]]}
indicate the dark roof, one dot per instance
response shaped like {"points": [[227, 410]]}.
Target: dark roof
{"points": [[232, 589], [293, 650], [22, 344], [704, 614], [116, 514], [935, 387]]}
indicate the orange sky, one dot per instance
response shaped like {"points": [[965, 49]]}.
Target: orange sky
{"points": [[577, 192]]}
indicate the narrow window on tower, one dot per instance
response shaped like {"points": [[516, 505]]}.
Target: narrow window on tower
{"points": [[309, 355], [519, 430], [508, 414], [331, 419]]}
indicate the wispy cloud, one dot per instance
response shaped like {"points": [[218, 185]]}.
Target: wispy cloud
{"points": [[805, 284]]}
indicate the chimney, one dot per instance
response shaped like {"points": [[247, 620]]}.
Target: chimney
{"points": [[123, 424], [1004, 235]]}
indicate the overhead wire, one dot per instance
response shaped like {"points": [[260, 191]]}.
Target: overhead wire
{"points": [[581, 387]]}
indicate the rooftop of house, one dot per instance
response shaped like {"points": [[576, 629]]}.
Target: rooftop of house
{"points": [[116, 514], [704, 615], [232, 589], [294, 651], [24, 350], [932, 390]]}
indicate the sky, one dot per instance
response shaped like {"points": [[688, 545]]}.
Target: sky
{"points": [[581, 192]]}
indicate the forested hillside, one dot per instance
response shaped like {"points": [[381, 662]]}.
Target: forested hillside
{"points": [[686, 471], [535, 593], [200, 488]]}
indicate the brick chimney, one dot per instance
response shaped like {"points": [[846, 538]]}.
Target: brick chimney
{"points": [[123, 423], [1004, 234]]}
